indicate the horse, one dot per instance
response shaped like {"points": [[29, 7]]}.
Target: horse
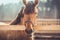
{"points": [[27, 16]]}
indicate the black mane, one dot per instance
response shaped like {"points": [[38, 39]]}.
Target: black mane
{"points": [[29, 7], [18, 19]]}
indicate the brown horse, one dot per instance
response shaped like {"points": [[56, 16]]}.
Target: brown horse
{"points": [[27, 16]]}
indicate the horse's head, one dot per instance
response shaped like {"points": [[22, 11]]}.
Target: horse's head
{"points": [[30, 10], [30, 7]]}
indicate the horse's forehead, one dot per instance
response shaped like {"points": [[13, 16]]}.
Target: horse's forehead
{"points": [[36, 10], [30, 3]]}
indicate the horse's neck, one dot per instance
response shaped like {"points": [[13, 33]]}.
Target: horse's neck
{"points": [[18, 19], [21, 22]]}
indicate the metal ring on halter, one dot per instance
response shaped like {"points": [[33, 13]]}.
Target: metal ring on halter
{"points": [[29, 22]]}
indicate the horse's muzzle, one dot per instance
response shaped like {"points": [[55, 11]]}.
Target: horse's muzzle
{"points": [[29, 31]]}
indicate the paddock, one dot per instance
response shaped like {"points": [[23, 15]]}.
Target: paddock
{"points": [[48, 29], [13, 32]]}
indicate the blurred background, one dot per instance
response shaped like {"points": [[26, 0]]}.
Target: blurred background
{"points": [[47, 9]]}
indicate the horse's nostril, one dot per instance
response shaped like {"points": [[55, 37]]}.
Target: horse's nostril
{"points": [[29, 31]]}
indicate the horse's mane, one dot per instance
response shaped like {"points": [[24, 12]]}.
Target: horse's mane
{"points": [[29, 8], [18, 19]]}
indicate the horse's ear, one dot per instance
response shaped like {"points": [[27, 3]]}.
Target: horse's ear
{"points": [[36, 2], [24, 1]]}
